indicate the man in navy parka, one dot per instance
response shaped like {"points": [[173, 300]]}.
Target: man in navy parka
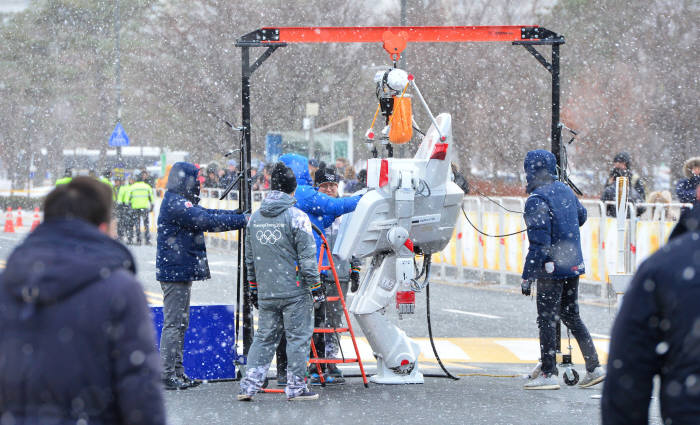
{"points": [[657, 332], [182, 258], [77, 343], [553, 216]]}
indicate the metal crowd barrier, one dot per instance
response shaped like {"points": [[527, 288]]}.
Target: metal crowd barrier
{"points": [[472, 256]]}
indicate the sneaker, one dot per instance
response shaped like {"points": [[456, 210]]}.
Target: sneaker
{"points": [[536, 371], [335, 372], [282, 380], [244, 397], [175, 383], [191, 382], [314, 379], [592, 378], [545, 381], [306, 395]]}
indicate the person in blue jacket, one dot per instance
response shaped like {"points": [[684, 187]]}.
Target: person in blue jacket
{"points": [[657, 332], [181, 257], [322, 211], [553, 216], [687, 187], [77, 343]]}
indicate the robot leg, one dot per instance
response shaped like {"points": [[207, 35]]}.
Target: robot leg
{"points": [[397, 354]]}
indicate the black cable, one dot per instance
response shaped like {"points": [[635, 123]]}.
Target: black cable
{"points": [[486, 234], [430, 330], [486, 196]]}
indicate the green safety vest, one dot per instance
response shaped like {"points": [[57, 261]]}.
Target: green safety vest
{"points": [[123, 194], [64, 180], [140, 196]]}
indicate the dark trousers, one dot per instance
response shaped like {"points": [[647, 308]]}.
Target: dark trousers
{"points": [[138, 215], [176, 319], [120, 211], [558, 299], [126, 221], [329, 315]]}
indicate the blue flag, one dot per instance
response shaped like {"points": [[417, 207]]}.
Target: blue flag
{"points": [[119, 137]]}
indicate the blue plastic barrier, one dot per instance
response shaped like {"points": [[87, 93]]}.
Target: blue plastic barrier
{"points": [[209, 341]]}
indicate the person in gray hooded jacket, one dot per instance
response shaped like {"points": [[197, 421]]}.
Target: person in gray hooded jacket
{"points": [[278, 241]]}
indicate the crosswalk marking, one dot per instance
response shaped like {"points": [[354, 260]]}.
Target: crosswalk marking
{"points": [[445, 348], [528, 350], [478, 350], [470, 313]]}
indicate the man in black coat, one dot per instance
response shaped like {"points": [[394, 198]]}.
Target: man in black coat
{"points": [[77, 343], [657, 332]]}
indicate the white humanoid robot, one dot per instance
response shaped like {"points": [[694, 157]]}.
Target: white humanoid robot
{"points": [[410, 207]]}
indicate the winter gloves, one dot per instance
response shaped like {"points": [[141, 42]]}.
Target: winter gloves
{"points": [[253, 294], [354, 278], [526, 286], [318, 292]]}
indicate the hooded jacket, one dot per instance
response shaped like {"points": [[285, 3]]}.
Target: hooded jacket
{"points": [[657, 332], [76, 336], [181, 254], [686, 189], [315, 204], [553, 216], [279, 238]]}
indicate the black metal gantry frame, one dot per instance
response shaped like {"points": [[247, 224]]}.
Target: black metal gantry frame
{"points": [[261, 37]]}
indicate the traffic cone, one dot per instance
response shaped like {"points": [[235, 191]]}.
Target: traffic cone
{"points": [[9, 227], [36, 221], [18, 221]]}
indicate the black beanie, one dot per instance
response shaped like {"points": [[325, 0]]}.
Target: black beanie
{"points": [[282, 178], [325, 175], [624, 158]]}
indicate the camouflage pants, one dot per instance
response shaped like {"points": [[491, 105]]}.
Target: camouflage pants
{"points": [[295, 318]]}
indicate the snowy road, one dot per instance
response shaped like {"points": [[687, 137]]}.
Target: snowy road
{"points": [[486, 333]]}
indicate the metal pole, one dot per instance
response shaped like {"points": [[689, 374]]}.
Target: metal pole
{"points": [[556, 130], [351, 155], [117, 73], [402, 65], [402, 60], [244, 196], [312, 123]]}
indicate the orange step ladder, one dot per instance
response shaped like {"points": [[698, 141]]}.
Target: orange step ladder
{"points": [[325, 250]]}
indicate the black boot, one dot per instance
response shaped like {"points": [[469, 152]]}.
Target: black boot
{"points": [[175, 383]]}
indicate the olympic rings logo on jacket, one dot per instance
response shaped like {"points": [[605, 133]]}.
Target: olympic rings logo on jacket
{"points": [[266, 237]]}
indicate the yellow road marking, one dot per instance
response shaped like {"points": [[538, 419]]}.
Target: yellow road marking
{"points": [[484, 350]]}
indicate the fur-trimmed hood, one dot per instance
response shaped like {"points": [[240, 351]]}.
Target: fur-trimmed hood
{"points": [[689, 165]]}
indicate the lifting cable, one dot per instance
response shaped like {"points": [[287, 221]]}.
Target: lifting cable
{"points": [[427, 259], [486, 234]]}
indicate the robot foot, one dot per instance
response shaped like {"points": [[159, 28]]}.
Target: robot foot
{"points": [[387, 376]]}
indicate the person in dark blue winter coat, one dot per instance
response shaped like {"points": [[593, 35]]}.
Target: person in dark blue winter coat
{"points": [[182, 258], [686, 188], [322, 211], [77, 343], [657, 332], [553, 216]]}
